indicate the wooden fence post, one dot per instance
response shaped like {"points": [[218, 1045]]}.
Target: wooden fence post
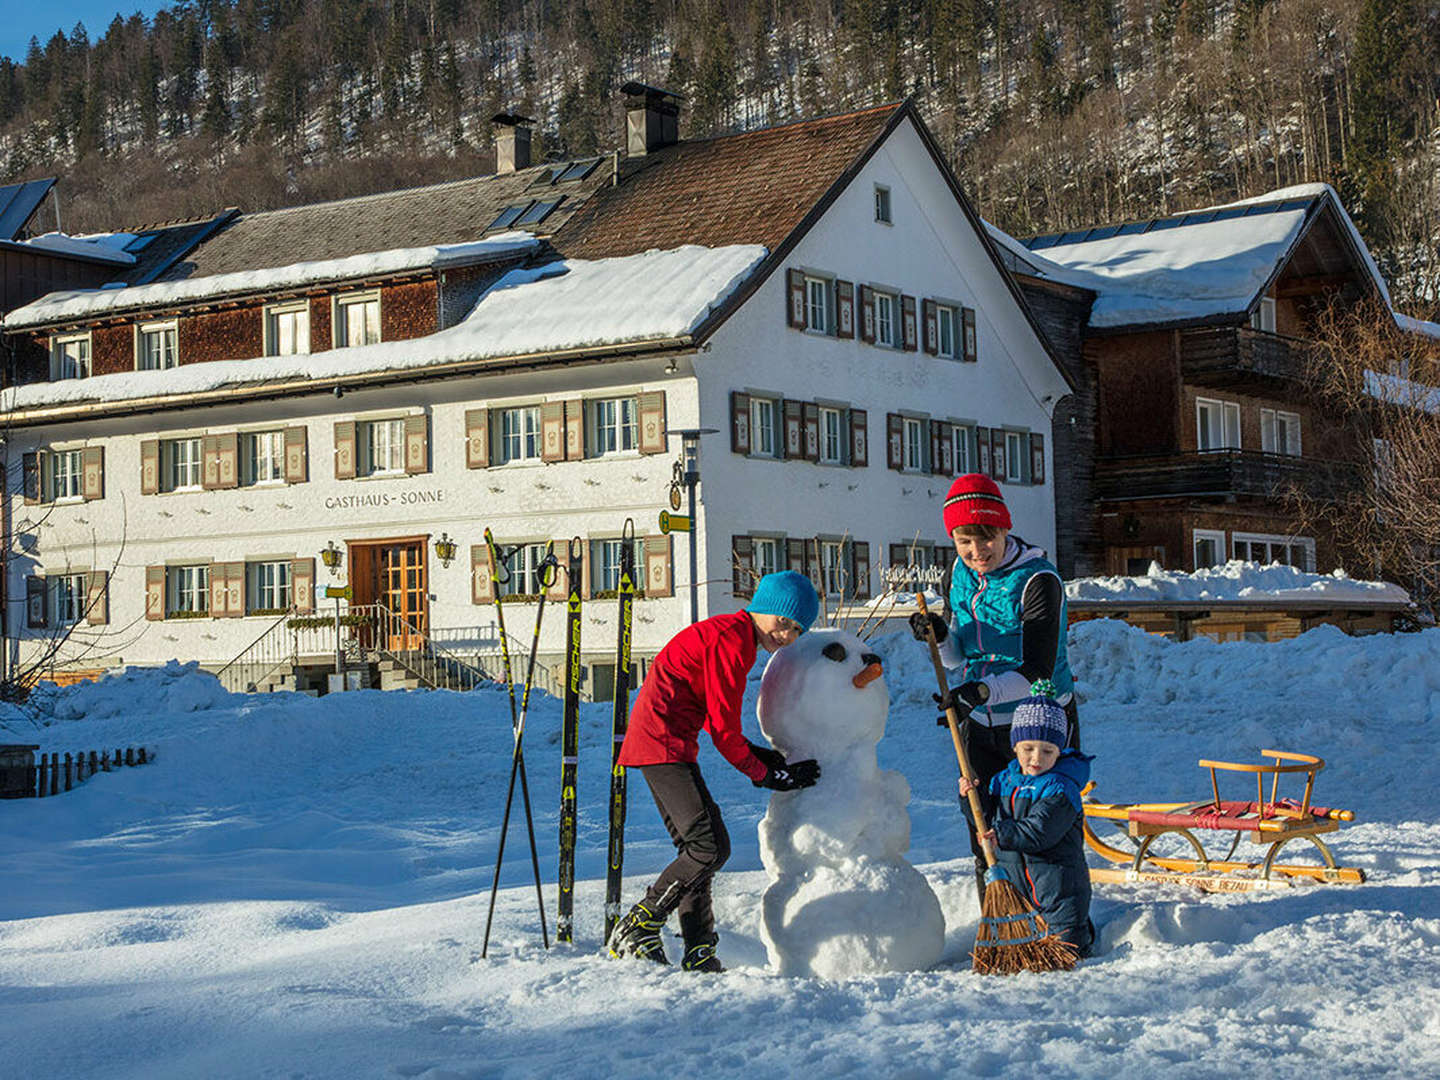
{"points": [[129, 755], [69, 771], [105, 761], [55, 774], [140, 757], [40, 777]]}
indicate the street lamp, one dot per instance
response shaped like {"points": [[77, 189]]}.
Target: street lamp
{"points": [[332, 557], [690, 477], [445, 549]]}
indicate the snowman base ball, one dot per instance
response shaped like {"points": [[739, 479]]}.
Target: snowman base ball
{"points": [[842, 898]]}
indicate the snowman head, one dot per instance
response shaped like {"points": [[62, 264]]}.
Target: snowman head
{"points": [[823, 695]]}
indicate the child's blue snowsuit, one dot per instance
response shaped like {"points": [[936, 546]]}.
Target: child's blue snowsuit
{"points": [[1038, 828]]}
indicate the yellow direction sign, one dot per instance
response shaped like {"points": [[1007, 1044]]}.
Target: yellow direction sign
{"points": [[674, 522], [337, 592]]}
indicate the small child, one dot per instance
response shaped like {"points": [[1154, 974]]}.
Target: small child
{"points": [[1037, 820]]}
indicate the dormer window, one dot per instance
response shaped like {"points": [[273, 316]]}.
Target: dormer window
{"points": [[287, 328], [155, 346], [70, 357], [357, 319]]}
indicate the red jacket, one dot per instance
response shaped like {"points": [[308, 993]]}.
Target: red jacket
{"points": [[696, 682]]}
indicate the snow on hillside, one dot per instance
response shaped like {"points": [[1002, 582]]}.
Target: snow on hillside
{"points": [[298, 887]]}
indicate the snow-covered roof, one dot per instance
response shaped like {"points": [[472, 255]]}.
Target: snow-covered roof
{"points": [[1417, 326], [108, 247], [83, 303], [1237, 583], [564, 305]]}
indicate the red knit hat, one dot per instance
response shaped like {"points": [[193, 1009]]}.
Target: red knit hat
{"points": [[973, 499]]}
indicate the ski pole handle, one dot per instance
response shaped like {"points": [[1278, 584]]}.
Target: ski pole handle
{"points": [[953, 719]]}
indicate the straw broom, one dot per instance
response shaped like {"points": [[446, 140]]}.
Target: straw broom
{"points": [[1012, 935]]}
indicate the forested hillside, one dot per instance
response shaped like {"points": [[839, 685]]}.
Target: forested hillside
{"points": [[1055, 112]]}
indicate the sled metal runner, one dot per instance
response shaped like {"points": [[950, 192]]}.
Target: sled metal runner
{"points": [[1268, 822]]}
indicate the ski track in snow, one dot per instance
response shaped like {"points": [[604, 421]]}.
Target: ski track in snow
{"points": [[298, 887]]}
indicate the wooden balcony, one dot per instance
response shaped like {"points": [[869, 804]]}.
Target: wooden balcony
{"points": [[1237, 357], [1219, 474]]}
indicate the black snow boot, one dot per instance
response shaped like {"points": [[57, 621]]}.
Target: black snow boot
{"points": [[700, 955], [638, 935]]}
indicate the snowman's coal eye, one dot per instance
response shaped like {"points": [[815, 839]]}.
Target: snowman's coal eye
{"points": [[834, 651]]}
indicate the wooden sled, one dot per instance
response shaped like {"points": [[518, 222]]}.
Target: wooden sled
{"points": [[1271, 823]]}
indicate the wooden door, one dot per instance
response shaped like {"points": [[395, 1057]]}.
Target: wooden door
{"points": [[403, 589]]}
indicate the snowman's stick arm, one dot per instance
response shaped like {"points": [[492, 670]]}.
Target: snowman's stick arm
{"points": [[953, 719]]}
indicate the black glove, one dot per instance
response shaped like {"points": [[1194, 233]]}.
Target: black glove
{"points": [[768, 755], [937, 625], [787, 777], [964, 699]]}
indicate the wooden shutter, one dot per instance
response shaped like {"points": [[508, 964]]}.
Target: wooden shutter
{"points": [[997, 453], [154, 593], [150, 467], [477, 438], [97, 597], [946, 464], [933, 429], [867, 314], [227, 590], [552, 431], [92, 473], [417, 444], [931, 319], [302, 585], [795, 555], [1037, 458], [209, 462], [37, 602], [969, 349], [219, 601], [560, 588], [575, 429], [794, 444], [844, 309], [810, 414], [982, 450], [860, 569], [482, 589], [739, 422], [859, 439], [33, 477], [297, 456], [345, 450], [228, 452], [907, 322], [659, 580], [743, 560], [795, 306], [894, 441], [651, 407]]}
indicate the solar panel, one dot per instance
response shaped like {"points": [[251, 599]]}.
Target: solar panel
{"points": [[140, 242], [18, 202], [1135, 228], [578, 171], [1036, 243], [1166, 223], [1230, 212], [539, 211], [1105, 232], [507, 217]]}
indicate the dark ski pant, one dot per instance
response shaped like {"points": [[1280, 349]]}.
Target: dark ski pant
{"points": [[701, 842]]}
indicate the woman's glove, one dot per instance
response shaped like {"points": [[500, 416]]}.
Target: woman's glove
{"points": [[964, 699], [920, 619], [768, 755], [788, 777]]}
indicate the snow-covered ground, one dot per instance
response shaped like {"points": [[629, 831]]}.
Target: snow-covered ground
{"points": [[297, 888]]}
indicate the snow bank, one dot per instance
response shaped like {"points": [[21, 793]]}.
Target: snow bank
{"points": [[1236, 581]]}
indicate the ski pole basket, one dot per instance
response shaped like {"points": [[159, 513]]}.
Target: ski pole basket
{"points": [[1269, 820]]}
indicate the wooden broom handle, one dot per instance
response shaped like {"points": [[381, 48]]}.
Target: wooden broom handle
{"points": [[981, 828]]}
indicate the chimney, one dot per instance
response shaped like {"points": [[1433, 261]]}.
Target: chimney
{"points": [[652, 118], [512, 142]]}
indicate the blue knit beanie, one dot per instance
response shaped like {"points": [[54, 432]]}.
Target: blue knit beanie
{"points": [[1040, 718], [788, 594]]}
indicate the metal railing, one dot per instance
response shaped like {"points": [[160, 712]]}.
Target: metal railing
{"points": [[379, 630], [253, 666]]}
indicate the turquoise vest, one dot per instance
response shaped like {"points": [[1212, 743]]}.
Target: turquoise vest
{"points": [[985, 616]]}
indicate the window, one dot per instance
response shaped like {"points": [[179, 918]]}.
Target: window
{"points": [[615, 427], [520, 434], [267, 586], [818, 314], [945, 325], [1017, 456], [66, 475], [1297, 551], [262, 457], [1209, 548], [914, 445], [507, 217], [882, 204], [764, 433], [382, 447], [187, 590], [833, 575], [766, 554], [605, 563], [180, 464], [1217, 425], [287, 329], [155, 346], [885, 324], [70, 357], [1263, 317], [963, 438], [1279, 432], [523, 563], [68, 594], [832, 437], [357, 320], [538, 211]]}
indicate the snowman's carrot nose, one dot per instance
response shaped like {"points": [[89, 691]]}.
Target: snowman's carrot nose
{"points": [[868, 674]]}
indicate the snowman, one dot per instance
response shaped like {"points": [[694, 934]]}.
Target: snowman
{"points": [[842, 899]]}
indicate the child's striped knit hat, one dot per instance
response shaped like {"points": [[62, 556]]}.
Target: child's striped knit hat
{"points": [[1040, 718]]}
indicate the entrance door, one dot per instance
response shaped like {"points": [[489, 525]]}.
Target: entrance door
{"points": [[403, 589]]}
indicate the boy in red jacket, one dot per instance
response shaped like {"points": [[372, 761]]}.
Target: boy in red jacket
{"points": [[696, 682]]}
